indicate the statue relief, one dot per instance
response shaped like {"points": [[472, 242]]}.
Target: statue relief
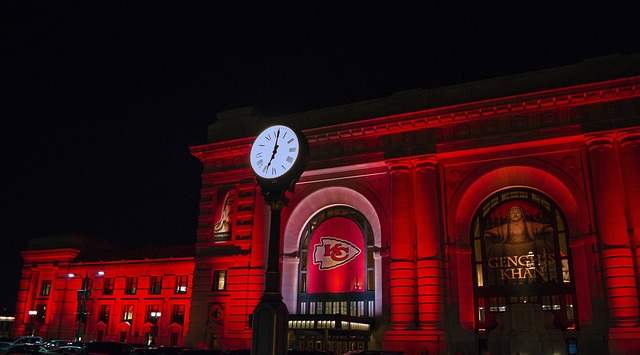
{"points": [[517, 230], [223, 224], [519, 249]]}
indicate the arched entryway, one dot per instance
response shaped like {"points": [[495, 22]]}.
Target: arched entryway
{"points": [[335, 268], [482, 202], [524, 289]]}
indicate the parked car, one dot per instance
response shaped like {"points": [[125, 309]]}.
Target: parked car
{"points": [[28, 340], [141, 349], [4, 346], [239, 352], [68, 349], [201, 352], [54, 344], [374, 352], [30, 349], [168, 350], [106, 348]]}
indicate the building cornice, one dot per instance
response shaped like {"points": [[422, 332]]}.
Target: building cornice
{"points": [[549, 100], [49, 255]]}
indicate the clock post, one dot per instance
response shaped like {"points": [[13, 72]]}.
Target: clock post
{"points": [[278, 158]]}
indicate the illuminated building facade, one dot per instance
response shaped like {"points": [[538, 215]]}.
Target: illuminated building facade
{"points": [[139, 295], [491, 216], [495, 216]]}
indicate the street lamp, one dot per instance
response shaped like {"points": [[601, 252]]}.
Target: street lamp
{"points": [[32, 328], [154, 329], [83, 295]]}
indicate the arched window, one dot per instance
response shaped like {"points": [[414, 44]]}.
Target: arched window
{"points": [[336, 270], [521, 255]]}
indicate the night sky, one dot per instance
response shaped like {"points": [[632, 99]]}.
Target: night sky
{"points": [[101, 100]]}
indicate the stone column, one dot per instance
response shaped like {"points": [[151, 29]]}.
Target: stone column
{"points": [[612, 228], [259, 245], [260, 231], [429, 265], [629, 142], [402, 268]]}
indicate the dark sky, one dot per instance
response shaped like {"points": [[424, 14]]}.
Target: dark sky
{"points": [[101, 100]]}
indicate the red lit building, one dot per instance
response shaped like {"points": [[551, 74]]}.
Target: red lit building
{"points": [[495, 216], [139, 295]]}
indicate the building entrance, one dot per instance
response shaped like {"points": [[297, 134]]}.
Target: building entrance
{"points": [[526, 329], [336, 333]]}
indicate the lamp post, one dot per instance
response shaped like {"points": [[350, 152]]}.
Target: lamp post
{"points": [[278, 157], [83, 295], [155, 315], [32, 328]]}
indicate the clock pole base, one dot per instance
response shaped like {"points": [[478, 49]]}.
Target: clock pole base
{"points": [[270, 328]]}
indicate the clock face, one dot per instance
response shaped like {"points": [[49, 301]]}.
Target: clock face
{"points": [[274, 152]]}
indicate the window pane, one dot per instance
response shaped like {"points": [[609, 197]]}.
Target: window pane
{"points": [[219, 280], [479, 274], [109, 283], [46, 288], [178, 314], [41, 314], [181, 284], [303, 283], [132, 285], [127, 313], [105, 311], [481, 311], [222, 280], [155, 285]]}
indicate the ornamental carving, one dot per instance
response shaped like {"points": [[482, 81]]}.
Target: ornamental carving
{"points": [[549, 118]]}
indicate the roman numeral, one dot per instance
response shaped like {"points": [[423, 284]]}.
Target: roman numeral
{"points": [[293, 149], [290, 159], [259, 162], [273, 171], [259, 155], [290, 140]]}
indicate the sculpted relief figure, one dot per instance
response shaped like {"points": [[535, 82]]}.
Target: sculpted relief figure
{"points": [[517, 230], [518, 236], [224, 222]]}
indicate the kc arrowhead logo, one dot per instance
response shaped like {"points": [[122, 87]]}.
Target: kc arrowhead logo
{"points": [[333, 252]]}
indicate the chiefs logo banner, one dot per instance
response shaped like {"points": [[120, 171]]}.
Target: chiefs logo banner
{"points": [[336, 259], [334, 252]]}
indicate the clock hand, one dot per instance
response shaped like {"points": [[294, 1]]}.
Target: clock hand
{"points": [[275, 149]]}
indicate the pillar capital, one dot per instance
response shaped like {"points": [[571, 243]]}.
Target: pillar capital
{"points": [[599, 141], [630, 137], [425, 162], [399, 165]]}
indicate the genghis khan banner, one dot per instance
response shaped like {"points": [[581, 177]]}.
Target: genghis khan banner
{"points": [[519, 245], [521, 256], [336, 257]]}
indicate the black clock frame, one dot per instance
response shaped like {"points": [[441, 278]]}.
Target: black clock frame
{"points": [[275, 187]]}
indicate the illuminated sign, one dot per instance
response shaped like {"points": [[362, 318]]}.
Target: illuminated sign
{"points": [[336, 257], [333, 252], [519, 245], [529, 266]]}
